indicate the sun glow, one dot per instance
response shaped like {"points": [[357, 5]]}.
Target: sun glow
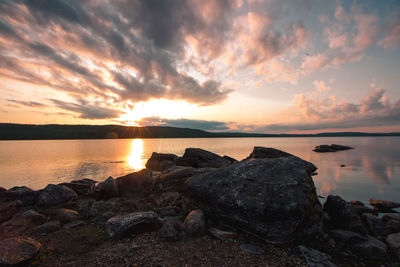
{"points": [[163, 108], [135, 157]]}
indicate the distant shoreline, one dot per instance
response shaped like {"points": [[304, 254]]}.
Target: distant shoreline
{"points": [[10, 131]]}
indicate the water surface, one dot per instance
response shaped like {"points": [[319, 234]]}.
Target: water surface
{"points": [[372, 169]]}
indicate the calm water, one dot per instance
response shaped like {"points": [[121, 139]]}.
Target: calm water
{"points": [[372, 169]]}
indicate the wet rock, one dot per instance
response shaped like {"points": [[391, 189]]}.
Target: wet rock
{"points": [[393, 240], [383, 205], [374, 225], [347, 237], [372, 249], [171, 231], [65, 215], [251, 249], [107, 189], [324, 148], [133, 223], [167, 211], [194, 224], [81, 187], [260, 152], [222, 235], [47, 228], [315, 258], [199, 158], [27, 196], [161, 161], [53, 195], [7, 210], [136, 185], [272, 198], [18, 251], [342, 215], [173, 181]]}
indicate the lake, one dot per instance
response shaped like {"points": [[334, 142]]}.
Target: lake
{"points": [[372, 168]]}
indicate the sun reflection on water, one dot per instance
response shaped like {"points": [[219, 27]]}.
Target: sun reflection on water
{"points": [[135, 156]]}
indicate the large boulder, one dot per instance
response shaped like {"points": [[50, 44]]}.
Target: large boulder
{"points": [[342, 215], [260, 152], [173, 181], [107, 189], [195, 223], [136, 185], [374, 225], [372, 249], [393, 241], [27, 196], [54, 195], [21, 222], [273, 198], [18, 251], [7, 210], [133, 223], [200, 158], [81, 187], [161, 161]]}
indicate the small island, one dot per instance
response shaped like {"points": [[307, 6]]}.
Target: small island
{"points": [[200, 209]]}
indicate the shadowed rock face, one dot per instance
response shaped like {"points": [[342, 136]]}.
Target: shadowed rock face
{"points": [[270, 197], [135, 185], [200, 158], [161, 161], [18, 251]]}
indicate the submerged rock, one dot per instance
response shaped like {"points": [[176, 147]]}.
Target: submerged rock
{"points": [[200, 158], [273, 198], [136, 185], [133, 223], [18, 251], [55, 194], [161, 161]]}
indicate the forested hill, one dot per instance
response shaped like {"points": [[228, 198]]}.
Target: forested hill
{"points": [[9, 131]]}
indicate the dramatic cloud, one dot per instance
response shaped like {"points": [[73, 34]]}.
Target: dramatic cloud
{"points": [[86, 110], [27, 103], [186, 123]]}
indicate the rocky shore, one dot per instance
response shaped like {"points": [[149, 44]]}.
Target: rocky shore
{"points": [[195, 210]]}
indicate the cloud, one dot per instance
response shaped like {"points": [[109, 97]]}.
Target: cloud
{"points": [[28, 103], [86, 110], [321, 86], [186, 123], [391, 41], [315, 62]]}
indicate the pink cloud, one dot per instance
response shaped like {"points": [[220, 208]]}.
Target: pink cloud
{"points": [[391, 41], [321, 86], [314, 63]]}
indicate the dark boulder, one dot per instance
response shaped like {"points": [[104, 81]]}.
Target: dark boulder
{"points": [[343, 215], [2, 189], [161, 161], [133, 223], [136, 185], [393, 241], [18, 251], [27, 196], [384, 205], [54, 195], [195, 224], [65, 215], [107, 189], [315, 258], [260, 152], [374, 225], [7, 210], [251, 249], [231, 160], [347, 237], [272, 198], [200, 158], [81, 187], [171, 231], [21, 222], [372, 249], [393, 226], [173, 181], [222, 235]]}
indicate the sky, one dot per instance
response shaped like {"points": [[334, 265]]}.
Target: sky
{"points": [[229, 65]]}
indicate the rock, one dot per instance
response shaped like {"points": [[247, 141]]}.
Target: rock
{"points": [[100, 207], [107, 189], [383, 205], [315, 258], [133, 223], [84, 206], [2, 189], [251, 249], [167, 211], [342, 215], [199, 158], [161, 161], [103, 218], [271, 198], [7, 210], [324, 148], [55, 194], [222, 235], [393, 226], [81, 187], [356, 203], [390, 216], [171, 231], [374, 225], [342, 165], [393, 240], [65, 215], [136, 185], [173, 181], [74, 224], [363, 209], [272, 153], [18, 251], [340, 147], [27, 196], [22, 222], [231, 160], [47, 228], [194, 224], [347, 237], [372, 249]]}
